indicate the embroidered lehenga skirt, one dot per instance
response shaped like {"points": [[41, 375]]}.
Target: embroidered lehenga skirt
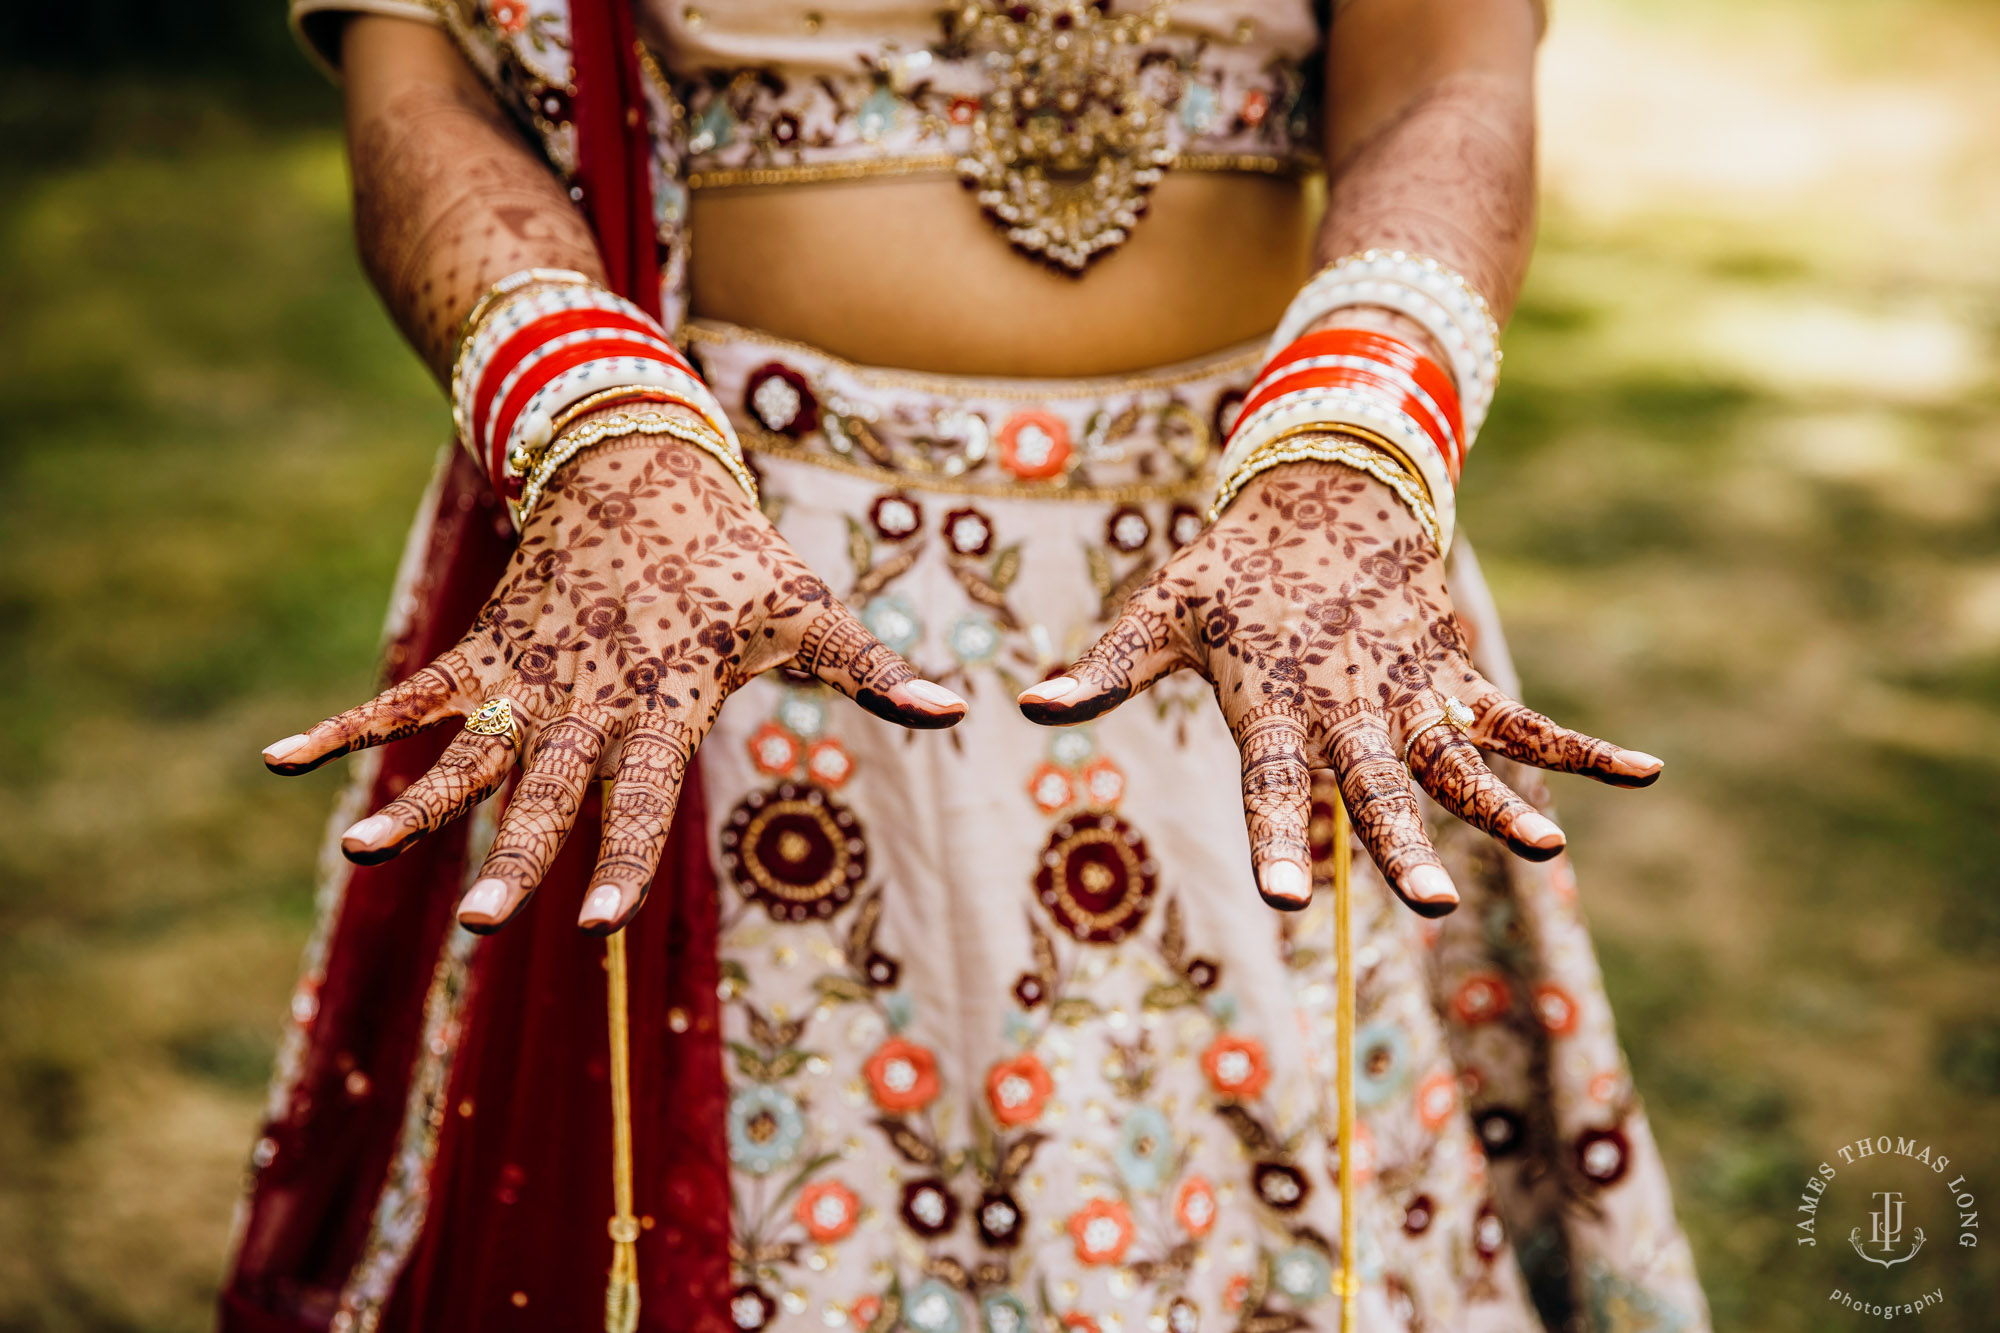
{"points": [[975, 1029]]}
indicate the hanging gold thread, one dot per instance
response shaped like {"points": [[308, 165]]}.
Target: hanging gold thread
{"points": [[1347, 1281], [621, 1292]]}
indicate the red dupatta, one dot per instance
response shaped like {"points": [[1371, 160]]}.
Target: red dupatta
{"points": [[437, 1155]]}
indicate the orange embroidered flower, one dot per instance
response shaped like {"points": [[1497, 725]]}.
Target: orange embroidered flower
{"points": [[1555, 1008], [1050, 787], [829, 764], [510, 16], [1437, 1098], [1018, 1089], [1256, 106], [1078, 1322], [1194, 1206], [1562, 878], [863, 1311], [1102, 1230], [827, 1210], [1364, 1153], [1105, 782], [1237, 1292], [774, 750], [962, 110], [1604, 1087], [902, 1075], [1481, 998], [1034, 446], [1236, 1066]]}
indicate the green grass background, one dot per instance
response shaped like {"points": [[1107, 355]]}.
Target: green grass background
{"points": [[1785, 579]]}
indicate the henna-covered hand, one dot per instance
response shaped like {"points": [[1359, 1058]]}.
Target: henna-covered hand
{"points": [[645, 590], [1318, 610]]}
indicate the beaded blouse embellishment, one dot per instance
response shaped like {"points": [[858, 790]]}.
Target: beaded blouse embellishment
{"points": [[1072, 136]]}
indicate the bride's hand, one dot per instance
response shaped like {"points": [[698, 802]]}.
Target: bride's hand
{"points": [[1317, 608], [645, 589]]}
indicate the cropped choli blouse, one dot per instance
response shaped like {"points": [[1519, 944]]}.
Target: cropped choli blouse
{"points": [[1059, 115]]}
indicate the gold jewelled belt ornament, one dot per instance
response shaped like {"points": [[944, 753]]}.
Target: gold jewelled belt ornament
{"points": [[1070, 140]]}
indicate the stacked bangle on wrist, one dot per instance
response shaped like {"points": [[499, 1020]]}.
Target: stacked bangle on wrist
{"points": [[543, 347], [610, 426], [1346, 395]]}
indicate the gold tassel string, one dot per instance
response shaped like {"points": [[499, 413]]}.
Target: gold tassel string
{"points": [[621, 1292], [1347, 1281]]}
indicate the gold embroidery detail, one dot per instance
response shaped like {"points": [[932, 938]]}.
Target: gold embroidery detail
{"points": [[1072, 136]]}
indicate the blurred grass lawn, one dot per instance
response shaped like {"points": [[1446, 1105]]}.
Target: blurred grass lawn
{"points": [[1738, 501]]}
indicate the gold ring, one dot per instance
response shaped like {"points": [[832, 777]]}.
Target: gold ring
{"points": [[496, 718], [1454, 715]]}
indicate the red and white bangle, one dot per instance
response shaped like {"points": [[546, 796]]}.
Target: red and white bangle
{"points": [[542, 342], [1436, 297], [1372, 387]]}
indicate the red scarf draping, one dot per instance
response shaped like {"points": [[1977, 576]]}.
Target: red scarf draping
{"points": [[513, 1235]]}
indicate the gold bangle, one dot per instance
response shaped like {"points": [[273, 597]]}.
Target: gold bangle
{"points": [[623, 423], [583, 407], [1326, 446], [1363, 434]]}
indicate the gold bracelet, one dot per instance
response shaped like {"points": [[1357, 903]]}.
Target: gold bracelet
{"points": [[623, 423], [583, 407], [1345, 447]]}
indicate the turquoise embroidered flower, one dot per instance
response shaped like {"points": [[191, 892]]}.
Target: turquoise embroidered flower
{"points": [[713, 128], [1303, 1274], [803, 713], [879, 114], [1072, 747], [1222, 1008], [1198, 107], [1004, 1312], [974, 640], [1145, 1150], [933, 1308], [894, 621], [1019, 1028], [900, 1009], [1382, 1063], [765, 1128]]}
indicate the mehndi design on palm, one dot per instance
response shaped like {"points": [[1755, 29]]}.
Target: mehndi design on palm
{"points": [[644, 593], [1319, 612]]}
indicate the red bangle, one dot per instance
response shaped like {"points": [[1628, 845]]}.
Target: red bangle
{"points": [[550, 366], [511, 353], [1430, 376]]}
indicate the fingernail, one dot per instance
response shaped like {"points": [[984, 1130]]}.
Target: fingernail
{"points": [[1430, 884], [929, 692], [1284, 879], [278, 751], [1638, 763], [1049, 690], [484, 898], [1537, 830], [602, 904], [368, 833]]}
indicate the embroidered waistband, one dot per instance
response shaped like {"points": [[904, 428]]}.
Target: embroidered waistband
{"points": [[1151, 435]]}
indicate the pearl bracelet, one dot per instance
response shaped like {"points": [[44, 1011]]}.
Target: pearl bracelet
{"points": [[1346, 446], [595, 432]]}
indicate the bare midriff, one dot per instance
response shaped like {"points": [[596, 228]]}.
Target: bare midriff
{"points": [[906, 272]]}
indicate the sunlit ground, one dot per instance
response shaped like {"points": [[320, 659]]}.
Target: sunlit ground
{"points": [[1738, 502]]}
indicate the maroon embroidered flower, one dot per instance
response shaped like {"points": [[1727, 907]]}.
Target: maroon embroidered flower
{"points": [[1280, 1185], [1418, 1215], [929, 1207], [1203, 973], [1127, 530], [1183, 1317], [1489, 1237], [962, 110], [1097, 878], [1228, 406], [881, 971], [1029, 991], [896, 516], [750, 1309], [1603, 1155], [1500, 1131], [785, 128], [968, 532], [999, 1220], [794, 850], [782, 400], [1184, 524]]}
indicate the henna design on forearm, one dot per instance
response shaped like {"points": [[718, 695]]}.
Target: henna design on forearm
{"points": [[448, 199], [1451, 176]]}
